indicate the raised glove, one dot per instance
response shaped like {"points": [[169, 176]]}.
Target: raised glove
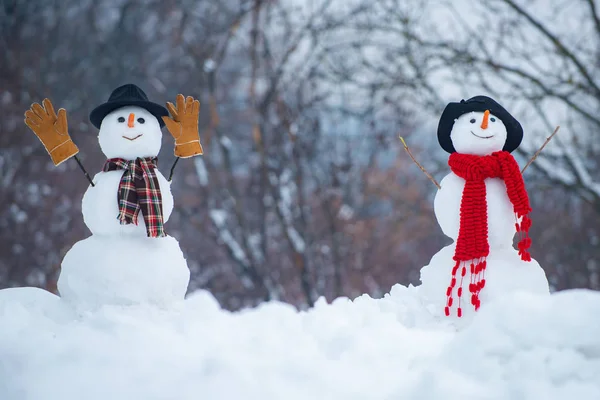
{"points": [[52, 130], [183, 126]]}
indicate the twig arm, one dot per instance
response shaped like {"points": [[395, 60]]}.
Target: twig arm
{"points": [[427, 174], [173, 168], [84, 171], [537, 153]]}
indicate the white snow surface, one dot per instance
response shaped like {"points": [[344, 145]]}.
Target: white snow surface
{"points": [[520, 346]]}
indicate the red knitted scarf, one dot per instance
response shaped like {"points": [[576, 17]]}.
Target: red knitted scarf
{"points": [[472, 245]]}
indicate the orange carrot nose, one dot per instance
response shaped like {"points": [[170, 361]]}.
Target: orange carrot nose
{"points": [[132, 118], [484, 123]]}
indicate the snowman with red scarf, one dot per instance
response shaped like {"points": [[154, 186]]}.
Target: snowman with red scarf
{"points": [[481, 204]]}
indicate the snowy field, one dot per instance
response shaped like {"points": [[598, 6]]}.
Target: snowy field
{"points": [[522, 346]]}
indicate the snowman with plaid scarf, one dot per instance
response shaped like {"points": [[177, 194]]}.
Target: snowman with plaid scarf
{"points": [[129, 259]]}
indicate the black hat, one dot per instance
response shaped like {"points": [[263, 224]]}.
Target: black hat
{"points": [[514, 131], [127, 95]]}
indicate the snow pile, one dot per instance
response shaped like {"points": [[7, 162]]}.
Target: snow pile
{"points": [[524, 346]]}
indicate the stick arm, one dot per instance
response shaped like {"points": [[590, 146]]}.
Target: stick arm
{"points": [[427, 174]]}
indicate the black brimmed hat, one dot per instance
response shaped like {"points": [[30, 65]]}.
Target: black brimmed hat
{"points": [[127, 95], [514, 131]]}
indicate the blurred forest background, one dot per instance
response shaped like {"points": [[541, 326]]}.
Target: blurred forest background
{"points": [[304, 189]]}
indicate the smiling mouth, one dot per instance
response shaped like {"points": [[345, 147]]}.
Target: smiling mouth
{"points": [[482, 137], [141, 134]]}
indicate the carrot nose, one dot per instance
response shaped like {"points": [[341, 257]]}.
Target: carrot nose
{"points": [[484, 123], [130, 120]]}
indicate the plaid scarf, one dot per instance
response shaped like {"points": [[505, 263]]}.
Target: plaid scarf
{"points": [[139, 190], [472, 243]]}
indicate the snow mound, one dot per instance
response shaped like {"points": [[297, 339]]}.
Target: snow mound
{"points": [[523, 346], [520, 346]]}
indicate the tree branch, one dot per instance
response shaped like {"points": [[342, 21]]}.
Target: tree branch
{"points": [[555, 40], [431, 178], [537, 153], [592, 4]]}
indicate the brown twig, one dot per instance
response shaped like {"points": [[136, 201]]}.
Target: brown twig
{"points": [[83, 169], [431, 178], [537, 153]]}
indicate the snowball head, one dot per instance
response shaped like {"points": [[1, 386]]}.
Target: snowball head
{"points": [[469, 137], [130, 132]]}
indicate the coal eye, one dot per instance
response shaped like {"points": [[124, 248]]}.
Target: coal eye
{"points": [[141, 120], [472, 120], [493, 119], [121, 119]]}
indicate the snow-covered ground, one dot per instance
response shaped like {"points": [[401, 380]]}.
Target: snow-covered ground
{"points": [[521, 346]]}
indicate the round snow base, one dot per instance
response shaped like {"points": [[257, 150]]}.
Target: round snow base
{"points": [[505, 273], [123, 270]]}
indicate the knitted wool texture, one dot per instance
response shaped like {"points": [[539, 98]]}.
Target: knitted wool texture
{"points": [[472, 247]]}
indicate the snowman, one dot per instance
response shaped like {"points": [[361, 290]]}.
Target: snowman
{"points": [[129, 259], [481, 204], [130, 137]]}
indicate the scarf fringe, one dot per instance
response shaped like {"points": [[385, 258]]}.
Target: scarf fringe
{"points": [[123, 220], [524, 239], [476, 283]]}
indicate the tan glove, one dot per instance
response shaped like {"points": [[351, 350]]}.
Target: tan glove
{"points": [[52, 130], [183, 126]]}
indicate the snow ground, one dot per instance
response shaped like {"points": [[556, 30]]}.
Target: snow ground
{"points": [[521, 346]]}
